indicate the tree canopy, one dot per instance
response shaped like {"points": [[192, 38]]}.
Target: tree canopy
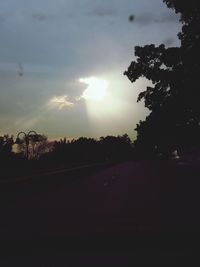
{"points": [[173, 98]]}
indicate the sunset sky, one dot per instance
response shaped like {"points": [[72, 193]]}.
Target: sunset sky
{"points": [[62, 64]]}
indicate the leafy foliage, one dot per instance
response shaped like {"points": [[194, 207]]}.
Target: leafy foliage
{"points": [[87, 150], [173, 98]]}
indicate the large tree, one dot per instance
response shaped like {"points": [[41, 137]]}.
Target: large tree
{"points": [[173, 98]]}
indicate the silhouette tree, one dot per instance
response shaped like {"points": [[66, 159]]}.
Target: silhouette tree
{"points": [[43, 146], [115, 147], [88, 150], [81, 150], [6, 143], [174, 121]]}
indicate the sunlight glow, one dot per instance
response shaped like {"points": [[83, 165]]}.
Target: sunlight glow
{"points": [[103, 103], [96, 90], [60, 102]]}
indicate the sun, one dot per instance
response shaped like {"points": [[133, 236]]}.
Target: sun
{"points": [[97, 88]]}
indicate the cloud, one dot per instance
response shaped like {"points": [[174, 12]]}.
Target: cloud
{"points": [[169, 41], [102, 12], [60, 102], [145, 19], [42, 17]]}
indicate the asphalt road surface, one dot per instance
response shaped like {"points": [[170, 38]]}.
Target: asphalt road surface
{"points": [[141, 196]]}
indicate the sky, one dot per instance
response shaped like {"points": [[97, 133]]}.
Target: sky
{"points": [[62, 64]]}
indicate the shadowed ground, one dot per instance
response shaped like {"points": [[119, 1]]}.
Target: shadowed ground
{"points": [[132, 197]]}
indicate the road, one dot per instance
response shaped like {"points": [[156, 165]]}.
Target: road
{"points": [[115, 198], [114, 216], [131, 196]]}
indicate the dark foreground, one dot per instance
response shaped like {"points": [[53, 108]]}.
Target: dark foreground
{"points": [[140, 212]]}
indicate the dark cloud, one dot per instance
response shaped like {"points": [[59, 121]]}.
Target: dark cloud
{"points": [[102, 12], [42, 17], [149, 18], [169, 41]]}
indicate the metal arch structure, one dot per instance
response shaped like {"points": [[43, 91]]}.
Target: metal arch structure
{"points": [[31, 135]]}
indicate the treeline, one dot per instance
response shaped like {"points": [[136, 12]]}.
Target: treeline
{"points": [[87, 150], [45, 154]]}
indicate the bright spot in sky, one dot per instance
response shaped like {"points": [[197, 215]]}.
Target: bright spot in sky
{"points": [[60, 102], [96, 90], [103, 102]]}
